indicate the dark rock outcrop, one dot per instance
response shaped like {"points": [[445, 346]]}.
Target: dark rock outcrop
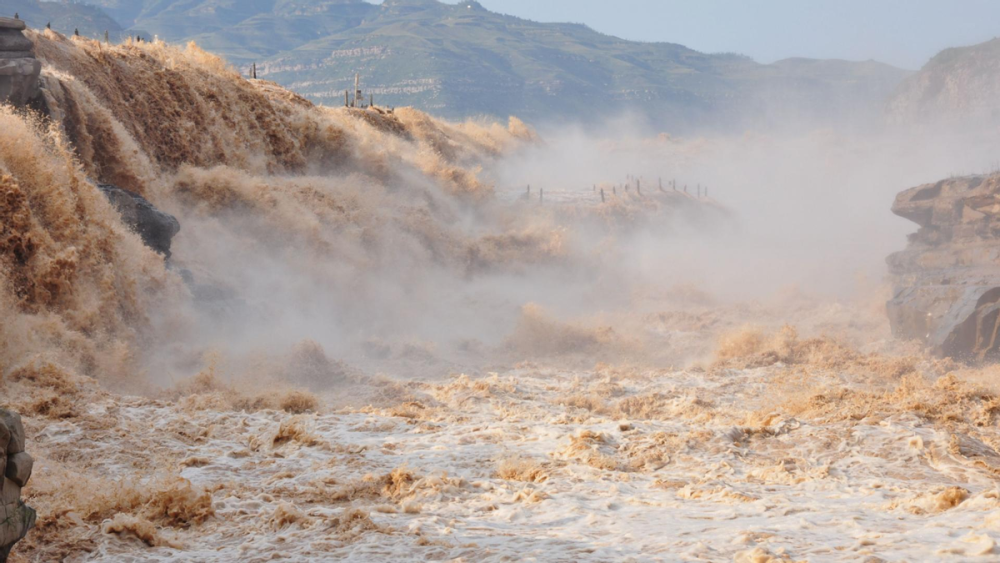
{"points": [[155, 227], [19, 69], [947, 281], [16, 518]]}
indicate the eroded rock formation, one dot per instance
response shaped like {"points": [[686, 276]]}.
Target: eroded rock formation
{"points": [[19, 69], [16, 518], [155, 227], [960, 84], [947, 281]]}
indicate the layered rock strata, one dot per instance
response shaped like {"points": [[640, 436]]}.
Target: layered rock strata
{"points": [[947, 281], [19, 69], [16, 518]]}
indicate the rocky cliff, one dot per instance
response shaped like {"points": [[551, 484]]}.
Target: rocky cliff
{"points": [[16, 518], [947, 280], [19, 69], [958, 84]]}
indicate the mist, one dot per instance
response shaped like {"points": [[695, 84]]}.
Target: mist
{"points": [[406, 246], [383, 335], [806, 213]]}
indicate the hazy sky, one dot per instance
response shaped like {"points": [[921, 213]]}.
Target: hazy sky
{"points": [[901, 32]]}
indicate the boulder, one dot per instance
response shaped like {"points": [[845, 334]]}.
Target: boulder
{"points": [[4, 436], [16, 518], [13, 24], [15, 430], [947, 280], [14, 40], [19, 468], [155, 227], [10, 492], [19, 69]]}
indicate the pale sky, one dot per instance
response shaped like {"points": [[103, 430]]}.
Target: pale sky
{"points": [[904, 33]]}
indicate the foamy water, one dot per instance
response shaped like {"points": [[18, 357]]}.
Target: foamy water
{"points": [[332, 397], [543, 464]]}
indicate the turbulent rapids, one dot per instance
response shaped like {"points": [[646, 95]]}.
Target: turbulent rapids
{"points": [[367, 340]]}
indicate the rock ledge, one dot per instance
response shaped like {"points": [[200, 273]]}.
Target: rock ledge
{"points": [[947, 281], [19, 69]]}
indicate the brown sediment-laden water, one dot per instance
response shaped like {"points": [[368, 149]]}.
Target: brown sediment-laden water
{"points": [[369, 341]]}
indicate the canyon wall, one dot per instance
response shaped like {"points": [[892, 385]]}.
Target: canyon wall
{"points": [[947, 280]]}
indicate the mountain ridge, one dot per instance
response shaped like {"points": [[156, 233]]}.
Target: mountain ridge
{"points": [[462, 60], [65, 17], [957, 84]]}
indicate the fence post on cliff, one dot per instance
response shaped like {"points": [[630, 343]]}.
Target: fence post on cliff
{"points": [[541, 195], [107, 39], [602, 195], [638, 187]]}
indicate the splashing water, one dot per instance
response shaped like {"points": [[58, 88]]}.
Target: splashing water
{"points": [[288, 384]]}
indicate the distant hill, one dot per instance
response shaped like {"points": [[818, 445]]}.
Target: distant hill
{"points": [[240, 30], [463, 60], [65, 17], [961, 83]]}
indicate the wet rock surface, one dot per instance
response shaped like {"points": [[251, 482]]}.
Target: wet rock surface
{"points": [[947, 281], [155, 227], [19, 69], [16, 518]]}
